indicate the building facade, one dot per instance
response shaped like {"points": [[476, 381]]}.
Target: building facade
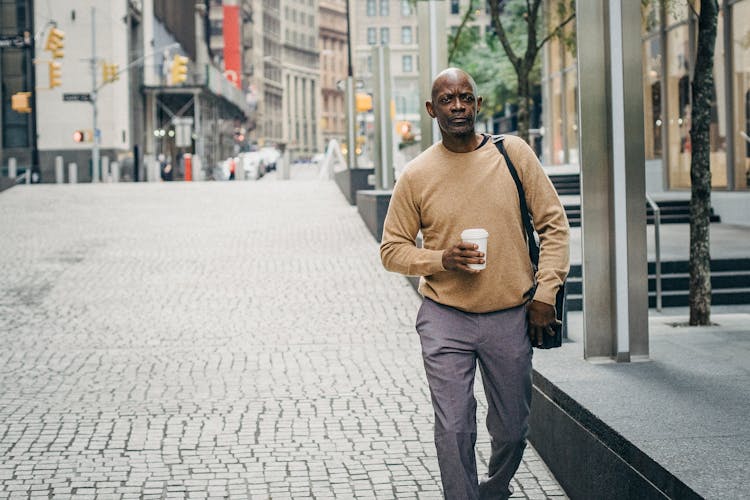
{"points": [[395, 23], [123, 102], [333, 69], [669, 40], [301, 78]]}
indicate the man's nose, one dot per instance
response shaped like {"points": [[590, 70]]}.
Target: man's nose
{"points": [[457, 104]]}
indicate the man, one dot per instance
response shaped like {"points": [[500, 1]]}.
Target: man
{"points": [[471, 316]]}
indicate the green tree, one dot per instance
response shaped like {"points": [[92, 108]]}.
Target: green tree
{"points": [[513, 17], [703, 95], [702, 98]]}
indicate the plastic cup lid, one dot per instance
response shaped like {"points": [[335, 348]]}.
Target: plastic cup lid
{"points": [[470, 234]]}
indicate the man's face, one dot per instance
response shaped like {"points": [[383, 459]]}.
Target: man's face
{"points": [[454, 105]]}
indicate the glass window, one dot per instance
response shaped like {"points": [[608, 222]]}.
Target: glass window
{"points": [[718, 127], [405, 8], [15, 130], [385, 36], [370, 8], [372, 36], [571, 115], [556, 115], [406, 35], [454, 6], [741, 77], [385, 8], [407, 64], [652, 116], [678, 107]]}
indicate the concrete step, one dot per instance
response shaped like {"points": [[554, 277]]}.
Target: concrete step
{"points": [[730, 283]]}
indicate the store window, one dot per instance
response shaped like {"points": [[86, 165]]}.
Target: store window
{"points": [[571, 115], [678, 106], [741, 77], [652, 106]]}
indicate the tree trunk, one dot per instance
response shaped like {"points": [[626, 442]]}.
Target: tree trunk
{"points": [[524, 107], [700, 166]]}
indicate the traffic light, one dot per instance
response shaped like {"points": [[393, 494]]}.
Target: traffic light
{"points": [[19, 102], [55, 74], [363, 102], [178, 71], [55, 43], [109, 72], [79, 136]]}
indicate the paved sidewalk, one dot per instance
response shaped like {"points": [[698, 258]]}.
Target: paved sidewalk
{"points": [[235, 339]]}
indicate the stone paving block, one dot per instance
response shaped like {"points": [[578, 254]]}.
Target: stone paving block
{"points": [[199, 340]]}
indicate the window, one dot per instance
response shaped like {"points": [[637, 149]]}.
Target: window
{"points": [[407, 64], [370, 8], [385, 8], [406, 35], [405, 8], [454, 6], [372, 36], [385, 36]]}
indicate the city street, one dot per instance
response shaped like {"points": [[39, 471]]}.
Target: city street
{"points": [[211, 340]]}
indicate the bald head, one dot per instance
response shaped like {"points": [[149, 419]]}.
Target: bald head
{"points": [[452, 76]]}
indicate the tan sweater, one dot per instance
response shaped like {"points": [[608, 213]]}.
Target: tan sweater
{"points": [[442, 193]]}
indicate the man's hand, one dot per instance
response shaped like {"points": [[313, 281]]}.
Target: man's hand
{"points": [[458, 257], [541, 317]]}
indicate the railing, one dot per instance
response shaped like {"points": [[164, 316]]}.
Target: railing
{"points": [[657, 248]]}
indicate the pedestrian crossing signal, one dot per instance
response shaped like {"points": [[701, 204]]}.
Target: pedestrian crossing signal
{"points": [[19, 102]]}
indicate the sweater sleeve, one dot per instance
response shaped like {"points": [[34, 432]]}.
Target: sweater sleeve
{"points": [[398, 249], [550, 222]]}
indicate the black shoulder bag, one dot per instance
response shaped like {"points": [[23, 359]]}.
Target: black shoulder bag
{"points": [[549, 341]]}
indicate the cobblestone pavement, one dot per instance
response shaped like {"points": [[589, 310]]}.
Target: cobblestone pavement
{"points": [[210, 340]]}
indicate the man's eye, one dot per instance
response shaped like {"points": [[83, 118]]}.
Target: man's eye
{"points": [[467, 98], [445, 100]]}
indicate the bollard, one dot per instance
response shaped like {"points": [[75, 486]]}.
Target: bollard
{"points": [[59, 170], [188, 167], [196, 168], [12, 169], [105, 169], [72, 173], [115, 170], [239, 170], [27, 175]]}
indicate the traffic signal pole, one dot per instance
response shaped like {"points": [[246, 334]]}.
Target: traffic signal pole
{"points": [[94, 92]]}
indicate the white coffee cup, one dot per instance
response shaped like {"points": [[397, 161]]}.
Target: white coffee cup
{"points": [[479, 237]]}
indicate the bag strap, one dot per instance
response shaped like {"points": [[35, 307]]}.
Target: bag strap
{"points": [[528, 226]]}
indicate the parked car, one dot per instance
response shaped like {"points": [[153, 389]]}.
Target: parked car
{"points": [[254, 164], [270, 155]]}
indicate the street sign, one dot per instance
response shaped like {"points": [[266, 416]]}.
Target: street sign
{"points": [[77, 97], [16, 42]]}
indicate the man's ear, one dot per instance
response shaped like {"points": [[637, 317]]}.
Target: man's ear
{"points": [[479, 103], [430, 111]]}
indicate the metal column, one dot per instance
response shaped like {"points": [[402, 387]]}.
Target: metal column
{"points": [[433, 58], [613, 186], [381, 59]]}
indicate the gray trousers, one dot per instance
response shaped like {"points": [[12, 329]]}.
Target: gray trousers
{"points": [[453, 342]]}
